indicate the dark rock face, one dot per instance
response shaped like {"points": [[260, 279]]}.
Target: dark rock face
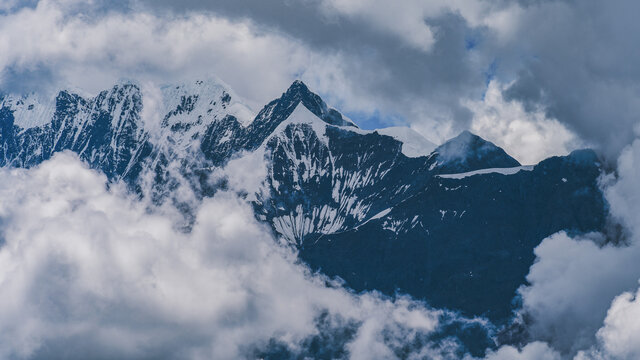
{"points": [[466, 244], [353, 204]]}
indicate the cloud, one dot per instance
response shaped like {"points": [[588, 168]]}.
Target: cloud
{"points": [[439, 66], [574, 58], [410, 20], [419, 58], [420, 62], [532, 351], [529, 136], [618, 336], [255, 48], [93, 51], [572, 286], [87, 270], [416, 63]]}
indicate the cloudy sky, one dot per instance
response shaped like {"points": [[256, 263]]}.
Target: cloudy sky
{"points": [[538, 77]]}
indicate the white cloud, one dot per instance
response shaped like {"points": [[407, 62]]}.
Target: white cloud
{"points": [[245, 173], [619, 335], [75, 48], [528, 136], [93, 52], [8, 5], [532, 351], [572, 285], [409, 19], [87, 271]]}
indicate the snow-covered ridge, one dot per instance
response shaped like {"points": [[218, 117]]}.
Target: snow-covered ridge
{"points": [[413, 144], [302, 115], [29, 110], [188, 108], [205, 99], [503, 171]]}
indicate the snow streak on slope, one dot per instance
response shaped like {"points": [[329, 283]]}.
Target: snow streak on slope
{"points": [[321, 186], [503, 171], [304, 145]]}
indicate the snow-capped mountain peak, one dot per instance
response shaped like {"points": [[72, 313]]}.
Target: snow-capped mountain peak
{"points": [[208, 99], [299, 92], [468, 152]]}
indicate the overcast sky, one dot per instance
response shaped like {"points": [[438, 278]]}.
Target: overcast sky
{"points": [[559, 74]]}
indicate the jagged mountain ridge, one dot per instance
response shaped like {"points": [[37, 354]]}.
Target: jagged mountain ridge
{"points": [[352, 203]]}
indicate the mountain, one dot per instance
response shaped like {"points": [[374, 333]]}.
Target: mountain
{"points": [[468, 152], [454, 225]]}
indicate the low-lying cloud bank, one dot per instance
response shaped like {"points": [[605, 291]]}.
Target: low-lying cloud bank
{"points": [[88, 271]]}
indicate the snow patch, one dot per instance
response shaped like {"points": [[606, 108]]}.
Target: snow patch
{"points": [[212, 99], [503, 171], [29, 110], [381, 214]]}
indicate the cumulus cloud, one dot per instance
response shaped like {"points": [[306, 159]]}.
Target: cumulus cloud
{"points": [[410, 20], [532, 351], [575, 59], [438, 66], [529, 136], [619, 335], [244, 174], [572, 285], [88, 271], [94, 51], [66, 43]]}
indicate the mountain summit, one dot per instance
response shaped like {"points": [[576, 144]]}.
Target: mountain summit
{"points": [[468, 152]]}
